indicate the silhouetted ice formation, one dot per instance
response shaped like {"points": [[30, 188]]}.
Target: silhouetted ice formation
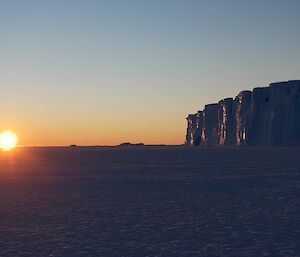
{"points": [[264, 116]]}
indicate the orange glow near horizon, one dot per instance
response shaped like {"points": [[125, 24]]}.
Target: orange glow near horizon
{"points": [[8, 140], [92, 136], [64, 130]]}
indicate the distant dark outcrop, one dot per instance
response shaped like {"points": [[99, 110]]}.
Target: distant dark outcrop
{"points": [[264, 116], [130, 144]]}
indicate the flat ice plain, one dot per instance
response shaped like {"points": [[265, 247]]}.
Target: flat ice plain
{"points": [[150, 201]]}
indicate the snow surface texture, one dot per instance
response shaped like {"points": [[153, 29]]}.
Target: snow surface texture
{"points": [[150, 201]]}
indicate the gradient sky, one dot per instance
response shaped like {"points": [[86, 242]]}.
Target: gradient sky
{"points": [[103, 72]]}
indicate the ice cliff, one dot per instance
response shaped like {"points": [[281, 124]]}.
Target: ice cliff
{"points": [[264, 116]]}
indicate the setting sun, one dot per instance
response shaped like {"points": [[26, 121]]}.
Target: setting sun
{"points": [[8, 140]]}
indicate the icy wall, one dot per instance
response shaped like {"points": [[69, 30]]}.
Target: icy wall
{"points": [[264, 116]]}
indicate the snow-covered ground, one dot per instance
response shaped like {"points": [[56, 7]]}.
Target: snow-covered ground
{"points": [[150, 201]]}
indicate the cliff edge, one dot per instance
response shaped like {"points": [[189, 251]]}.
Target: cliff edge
{"points": [[264, 116]]}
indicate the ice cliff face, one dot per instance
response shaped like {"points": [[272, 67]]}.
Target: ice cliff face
{"points": [[264, 116]]}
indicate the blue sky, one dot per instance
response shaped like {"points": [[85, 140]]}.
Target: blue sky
{"points": [[102, 72]]}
